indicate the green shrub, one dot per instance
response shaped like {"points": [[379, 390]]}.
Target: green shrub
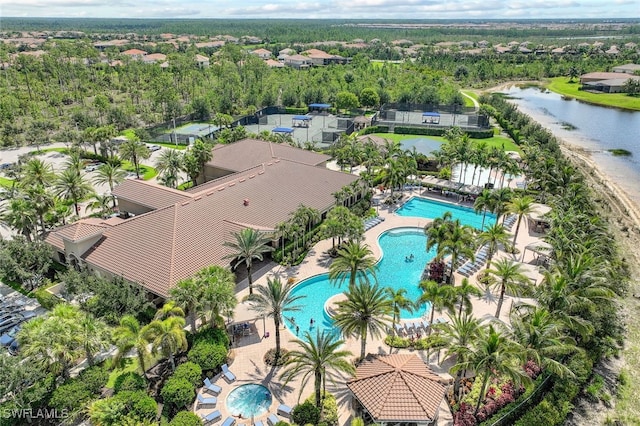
{"points": [[137, 404], [186, 418], [70, 396], [329, 413], [190, 371], [282, 423], [212, 335], [94, 378], [357, 422], [374, 129], [209, 356], [305, 413], [130, 381], [296, 111], [178, 392], [46, 299], [397, 342]]}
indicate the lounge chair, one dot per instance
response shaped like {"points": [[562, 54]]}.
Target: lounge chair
{"points": [[272, 419], [228, 374], [212, 417], [284, 410], [258, 423], [206, 401], [210, 387], [230, 421], [425, 325]]}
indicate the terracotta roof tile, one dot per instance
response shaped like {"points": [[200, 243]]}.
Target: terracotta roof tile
{"points": [[80, 230], [149, 194], [248, 153], [397, 388]]}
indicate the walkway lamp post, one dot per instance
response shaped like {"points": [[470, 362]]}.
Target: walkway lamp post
{"points": [[264, 327]]}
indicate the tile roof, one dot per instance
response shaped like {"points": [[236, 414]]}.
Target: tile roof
{"points": [[159, 248], [248, 153], [80, 230], [397, 388], [148, 194]]}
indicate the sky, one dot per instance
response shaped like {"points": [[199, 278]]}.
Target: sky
{"points": [[323, 9]]}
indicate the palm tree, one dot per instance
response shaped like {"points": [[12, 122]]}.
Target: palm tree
{"points": [[103, 203], [484, 202], [460, 240], [462, 295], [249, 245], [460, 335], [495, 354], [93, 336], [20, 215], [218, 286], [134, 151], [74, 162], [493, 237], [72, 187], [109, 174], [508, 276], [500, 198], [316, 357], [367, 310], [273, 301], [399, 302], [169, 165], [520, 206], [440, 297], [37, 172], [127, 336], [166, 337], [41, 201], [168, 310], [355, 260], [542, 337], [187, 294]]}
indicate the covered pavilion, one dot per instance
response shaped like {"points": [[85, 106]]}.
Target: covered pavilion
{"points": [[319, 107], [431, 118], [398, 389], [537, 219], [301, 120]]}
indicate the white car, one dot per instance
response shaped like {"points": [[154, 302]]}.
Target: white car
{"points": [[154, 148], [92, 167]]}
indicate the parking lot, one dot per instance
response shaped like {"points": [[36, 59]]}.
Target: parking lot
{"points": [[15, 310]]}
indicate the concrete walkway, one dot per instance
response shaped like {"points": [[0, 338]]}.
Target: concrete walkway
{"points": [[248, 351]]}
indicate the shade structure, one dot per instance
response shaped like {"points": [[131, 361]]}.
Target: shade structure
{"points": [[286, 130], [301, 117], [320, 106], [397, 388]]}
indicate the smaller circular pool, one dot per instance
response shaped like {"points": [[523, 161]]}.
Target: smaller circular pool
{"points": [[249, 400]]}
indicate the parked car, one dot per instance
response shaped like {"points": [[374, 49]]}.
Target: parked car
{"points": [[8, 337], [92, 167], [154, 148]]}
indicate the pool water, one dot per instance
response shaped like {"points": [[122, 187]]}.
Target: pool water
{"points": [[249, 400], [431, 209], [393, 271]]}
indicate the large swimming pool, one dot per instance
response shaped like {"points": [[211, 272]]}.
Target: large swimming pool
{"points": [[431, 209], [393, 271]]}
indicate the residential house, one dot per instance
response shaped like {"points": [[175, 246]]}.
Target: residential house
{"points": [[320, 57], [298, 61], [176, 233], [203, 61], [627, 68], [262, 53], [154, 57], [134, 53]]}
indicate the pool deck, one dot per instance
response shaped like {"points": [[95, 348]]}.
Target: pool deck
{"points": [[248, 351]]}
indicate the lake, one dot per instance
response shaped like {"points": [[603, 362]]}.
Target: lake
{"points": [[591, 127]]}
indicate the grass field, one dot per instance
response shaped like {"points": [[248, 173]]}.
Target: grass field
{"points": [[497, 141], [6, 183], [170, 145], [146, 172], [562, 86]]}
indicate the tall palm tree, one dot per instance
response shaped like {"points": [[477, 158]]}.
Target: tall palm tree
{"points": [[249, 244], [500, 198], [41, 201], [20, 215], [366, 311], [103, 203], [542, 337], [395, 174], [109, 174], [187, 294], [37, 172], [273, 300], [508, 276], [127, 336], [355, 261], [520, 206], [493, 237], [316, 357], [462, 295], [218, 295], [495, 354], [134, 151], [167, 337], [93, 336], [440, 297], [460, 334], [74, 162], [169, 165], [72, 187], [460, 240], [484, 202], [399, 302]]}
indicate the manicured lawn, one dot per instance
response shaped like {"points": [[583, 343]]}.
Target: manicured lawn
{"points": [[468, 102], [169, 145], [146, 172], [497, 141], [562, 86], [6, 183]]}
